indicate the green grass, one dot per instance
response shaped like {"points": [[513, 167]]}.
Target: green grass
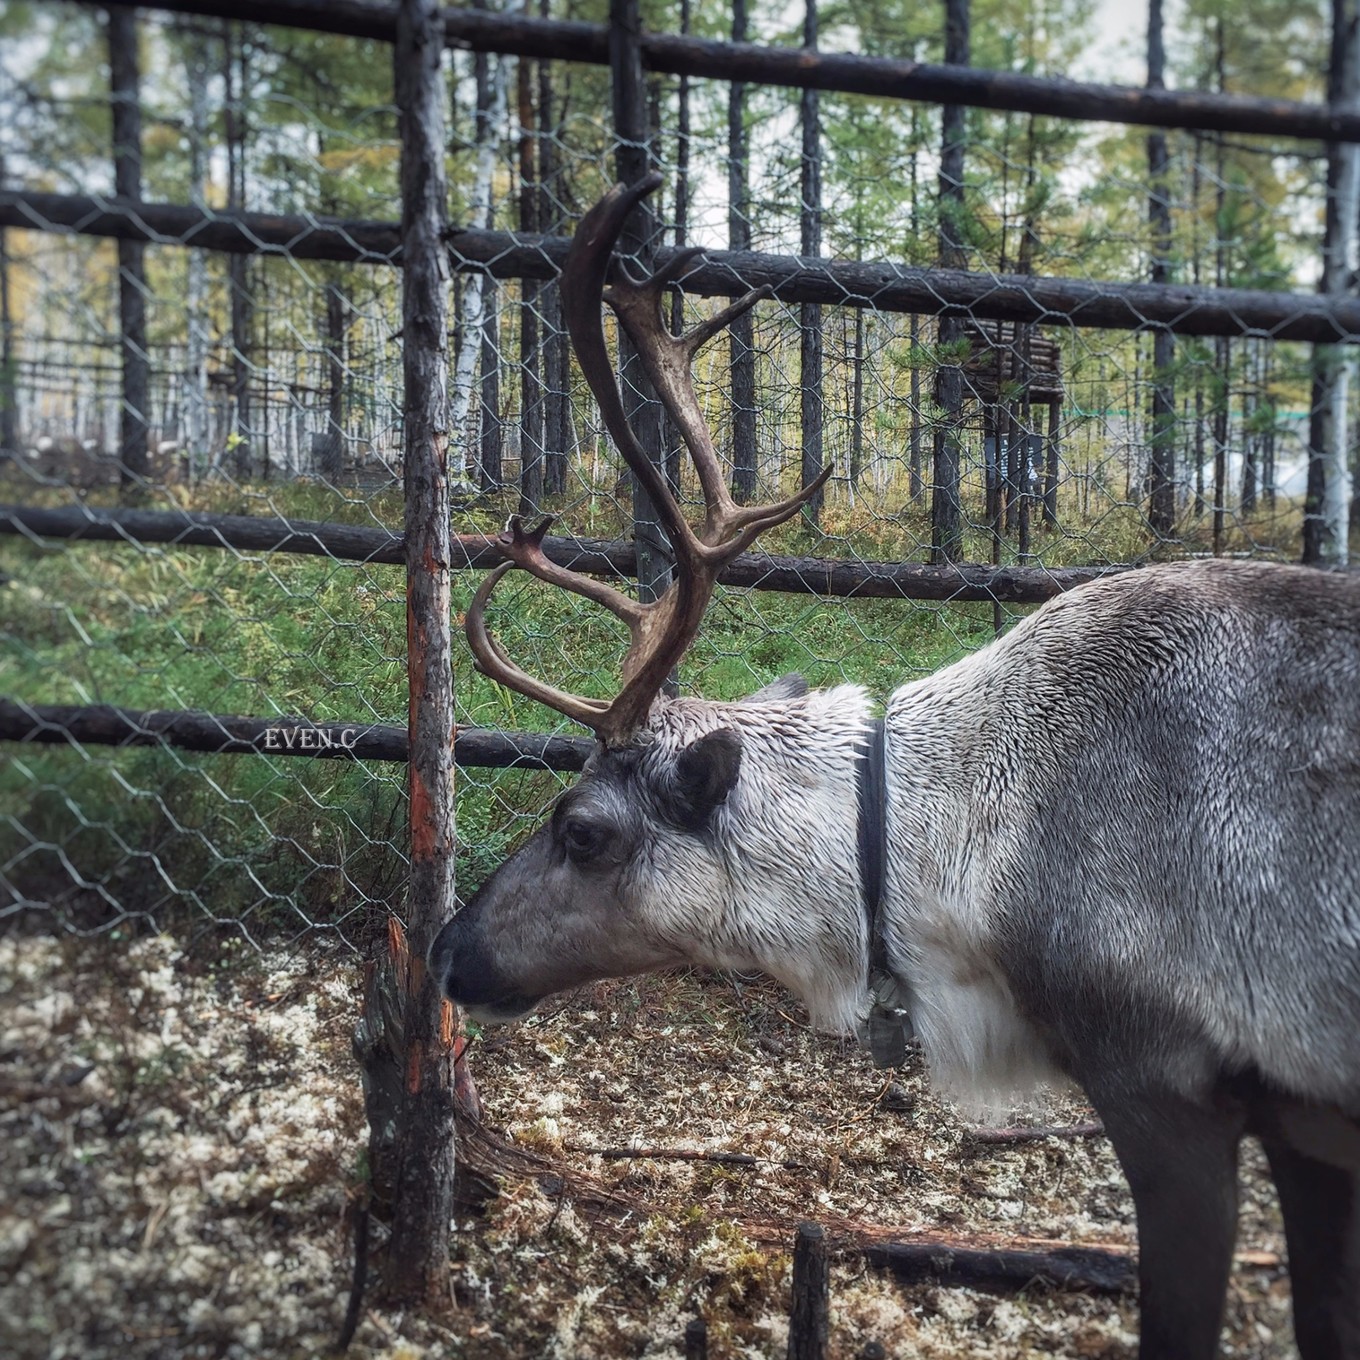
{"points": [[277, 843]]}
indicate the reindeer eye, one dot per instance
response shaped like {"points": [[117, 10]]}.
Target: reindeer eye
{"points": [[582, 840]]}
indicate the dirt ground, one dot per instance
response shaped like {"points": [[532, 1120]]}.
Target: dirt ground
{"points": [[181, 1146]]}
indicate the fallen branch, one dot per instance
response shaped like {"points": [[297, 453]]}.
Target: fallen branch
{"points": [[984, 1137], [980, 1261], [683, 1155]]}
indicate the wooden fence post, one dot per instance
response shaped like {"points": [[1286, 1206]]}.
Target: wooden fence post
{"points": [[418, 1253], [810, 1316], [696, 1339]]}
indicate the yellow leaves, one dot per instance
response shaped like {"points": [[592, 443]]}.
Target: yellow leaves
{"points": [[160, 139], [371, 158]]}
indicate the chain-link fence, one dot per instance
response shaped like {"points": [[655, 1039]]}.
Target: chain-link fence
{"points": [[1031, 349]]}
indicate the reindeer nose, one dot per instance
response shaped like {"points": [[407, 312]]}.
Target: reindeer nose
{"points": [[460, 966], [463, 967]]}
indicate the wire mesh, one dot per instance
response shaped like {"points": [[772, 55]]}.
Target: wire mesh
{"points": [[273, 389]]}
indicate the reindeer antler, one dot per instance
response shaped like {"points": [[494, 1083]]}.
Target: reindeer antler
{"points": [[661, 631]]}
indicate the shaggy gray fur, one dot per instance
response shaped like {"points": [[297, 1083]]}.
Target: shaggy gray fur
{"points": [[1123, 849]]}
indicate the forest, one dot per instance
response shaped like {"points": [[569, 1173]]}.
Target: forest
{"points": [[147, 373], [201, 325], [270, 368]]}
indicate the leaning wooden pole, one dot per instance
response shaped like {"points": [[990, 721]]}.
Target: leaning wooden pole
{"points": [[417, 1262]]}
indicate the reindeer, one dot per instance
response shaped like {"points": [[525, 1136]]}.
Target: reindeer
{"points": [[1120, 846]]}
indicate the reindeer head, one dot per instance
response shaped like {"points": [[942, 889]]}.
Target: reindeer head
{"points": [[643, 862]]}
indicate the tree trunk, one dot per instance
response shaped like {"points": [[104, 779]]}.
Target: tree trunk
{"points": [[857, 403], [332, 460], [1162, 414], [638, 239], [1199, 445], [556, 359], [1222, 347], [417, 1258], [235, 71], [1251, 435], [9, 389], [491, 451], [1052, 464], [1022, 367], [1222, 396], [682, 172], [742, 331], [530, 351], [197, 417], [946, 510], [812, 403], [916, 481], [489, 81], [1196, 177], [125, 99], [1268, 434], [991, 458], [1326, 517]]}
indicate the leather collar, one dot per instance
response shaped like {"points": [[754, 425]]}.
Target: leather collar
{"points": [[888, 1027]]}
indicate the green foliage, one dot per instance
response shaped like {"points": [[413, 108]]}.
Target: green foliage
{"points": [[279, 840], [274, 843]]}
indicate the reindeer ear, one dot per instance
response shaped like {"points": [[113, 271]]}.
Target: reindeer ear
{"points": [[791, 686], [705, 773]]}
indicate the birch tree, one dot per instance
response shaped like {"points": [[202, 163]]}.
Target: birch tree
{"points": [[490, 124]]}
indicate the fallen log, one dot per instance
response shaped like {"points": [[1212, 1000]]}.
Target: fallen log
{"points": [[1002, 1270], [810, 1313]]}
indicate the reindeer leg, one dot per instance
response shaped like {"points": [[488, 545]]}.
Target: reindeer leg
{"points": [[1181, 1162], [1321, 1203]]}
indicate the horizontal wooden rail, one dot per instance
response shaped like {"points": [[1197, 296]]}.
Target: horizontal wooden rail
{"points": [[829, 576], [227, 734], [847, 73], [300, 237], [882, 285], [199, 528]]}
